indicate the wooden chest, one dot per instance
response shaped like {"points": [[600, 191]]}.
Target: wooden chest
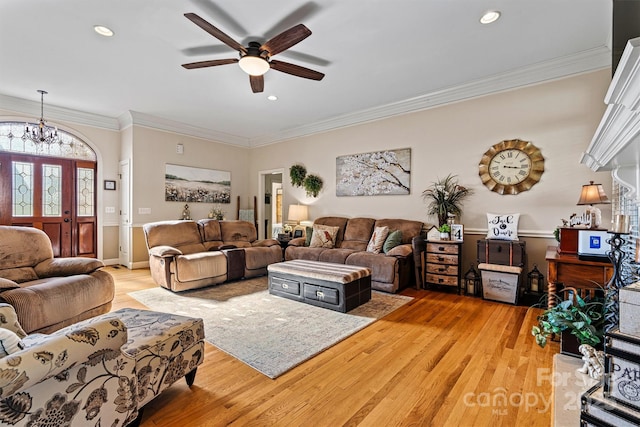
{"points": [[443, 260], [502, 252]]}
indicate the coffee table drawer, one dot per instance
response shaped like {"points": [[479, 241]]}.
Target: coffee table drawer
{"points": [[285, 285], [321, 293]]}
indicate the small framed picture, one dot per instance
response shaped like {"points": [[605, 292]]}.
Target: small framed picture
{"points": [[297, 233], [109, 185], [457, 232]]}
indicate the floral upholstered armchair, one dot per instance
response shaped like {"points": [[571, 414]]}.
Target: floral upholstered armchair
{"points": [[75, 376], [99, 372]]}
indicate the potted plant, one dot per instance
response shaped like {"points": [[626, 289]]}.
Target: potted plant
{"points": [[581, 318], [297, 173], [313, 185], [445, 197], [444, 230]]}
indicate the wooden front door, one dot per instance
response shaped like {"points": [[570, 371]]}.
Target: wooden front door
{"points": [[54, 195]]}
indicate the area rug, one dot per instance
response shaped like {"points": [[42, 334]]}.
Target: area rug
{"points": [[269, 333]]}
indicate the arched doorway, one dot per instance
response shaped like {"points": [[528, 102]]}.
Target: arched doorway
{"points": [[51, 187]]}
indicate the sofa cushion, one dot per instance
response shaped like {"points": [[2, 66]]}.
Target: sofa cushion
{"points": [[357, 233], [23, 247], [301, 252], [394, 238], [179, 234], [377, 239], [210, 229], [7, 284], [324, 236], [307, 236], [384, 269], [336, 255], [19, 275], [67, 266], [199, 265], [409, 228], [238, 231]]}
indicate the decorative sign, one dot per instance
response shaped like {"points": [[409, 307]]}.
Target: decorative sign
{"points": [[457, 232]]}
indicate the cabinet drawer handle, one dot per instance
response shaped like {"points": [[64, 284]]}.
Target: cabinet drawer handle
{"points": [[441, 269], [440, 280], [441, 248], [440, 258]]}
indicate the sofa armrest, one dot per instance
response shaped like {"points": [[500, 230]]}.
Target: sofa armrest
{"points": [[67, 266], [6, 284], [49, 355], [265, 243], [164, 251], [298, 241], [401, 251]]}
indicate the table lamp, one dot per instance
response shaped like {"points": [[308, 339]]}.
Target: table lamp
{"points": [[298, 213], [593, 194]]}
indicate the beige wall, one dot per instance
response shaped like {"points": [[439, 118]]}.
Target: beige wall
{"points": [[559, 117]]}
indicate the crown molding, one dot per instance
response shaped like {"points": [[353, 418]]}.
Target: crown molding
{"points": [[137, 118], [582, 62], [54, 113], [586, 61]]}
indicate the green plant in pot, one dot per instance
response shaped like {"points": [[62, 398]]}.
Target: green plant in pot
{"points": [[313, 184], [297, 173], [444, 230], [582, 318], [445, 197]]}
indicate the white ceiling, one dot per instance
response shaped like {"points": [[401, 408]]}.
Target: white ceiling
{"points": [[380, 57]]}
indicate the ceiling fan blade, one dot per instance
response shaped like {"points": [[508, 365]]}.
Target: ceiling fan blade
{"points": [[257, 83], [296, 70], [212, 63], [286, 39], [209, 28]]}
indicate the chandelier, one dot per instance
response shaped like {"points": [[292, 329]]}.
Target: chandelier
{"points": [[42, 134]]}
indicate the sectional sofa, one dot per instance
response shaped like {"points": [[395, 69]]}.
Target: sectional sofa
{"points": [[391, 271], [193, 254]]}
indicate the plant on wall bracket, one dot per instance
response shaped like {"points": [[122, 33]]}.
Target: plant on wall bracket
{"points": [[313, 185], [297, 173]]}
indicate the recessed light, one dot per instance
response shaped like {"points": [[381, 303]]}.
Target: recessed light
{"points": [[490, 16], [272, 98], [103, 31]]}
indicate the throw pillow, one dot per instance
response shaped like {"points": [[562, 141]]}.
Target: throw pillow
{"points": [[503, 226], [9, 320], [393, 239], [308, 232], [9, 343], [323, 236], [377, 239]]}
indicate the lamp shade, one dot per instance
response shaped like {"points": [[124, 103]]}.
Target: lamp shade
{"points": [[593, 194], [298, 213]]}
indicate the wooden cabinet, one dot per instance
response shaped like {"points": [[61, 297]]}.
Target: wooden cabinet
{"points": [[443, 264], [585, 276]]}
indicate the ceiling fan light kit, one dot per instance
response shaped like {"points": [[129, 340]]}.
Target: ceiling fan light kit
{"points": [[255, 59]]}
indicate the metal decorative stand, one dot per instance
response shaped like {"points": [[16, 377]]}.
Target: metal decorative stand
{"points": [[611, 305]]}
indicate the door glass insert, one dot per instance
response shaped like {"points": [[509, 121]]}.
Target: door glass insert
{"points": [[86, 200], [51, 190], [22, 189]]}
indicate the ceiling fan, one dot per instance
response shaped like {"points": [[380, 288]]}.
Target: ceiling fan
{"points": [[255, 59]]}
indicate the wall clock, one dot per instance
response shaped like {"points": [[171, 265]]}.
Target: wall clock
{"points": [[511, 166]]}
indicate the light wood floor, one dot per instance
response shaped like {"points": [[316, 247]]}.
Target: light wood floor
{"points": [[441, 360]]}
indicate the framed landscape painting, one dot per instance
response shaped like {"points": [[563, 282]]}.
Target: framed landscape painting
{"points": [[196, 185], [373, 174]]}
